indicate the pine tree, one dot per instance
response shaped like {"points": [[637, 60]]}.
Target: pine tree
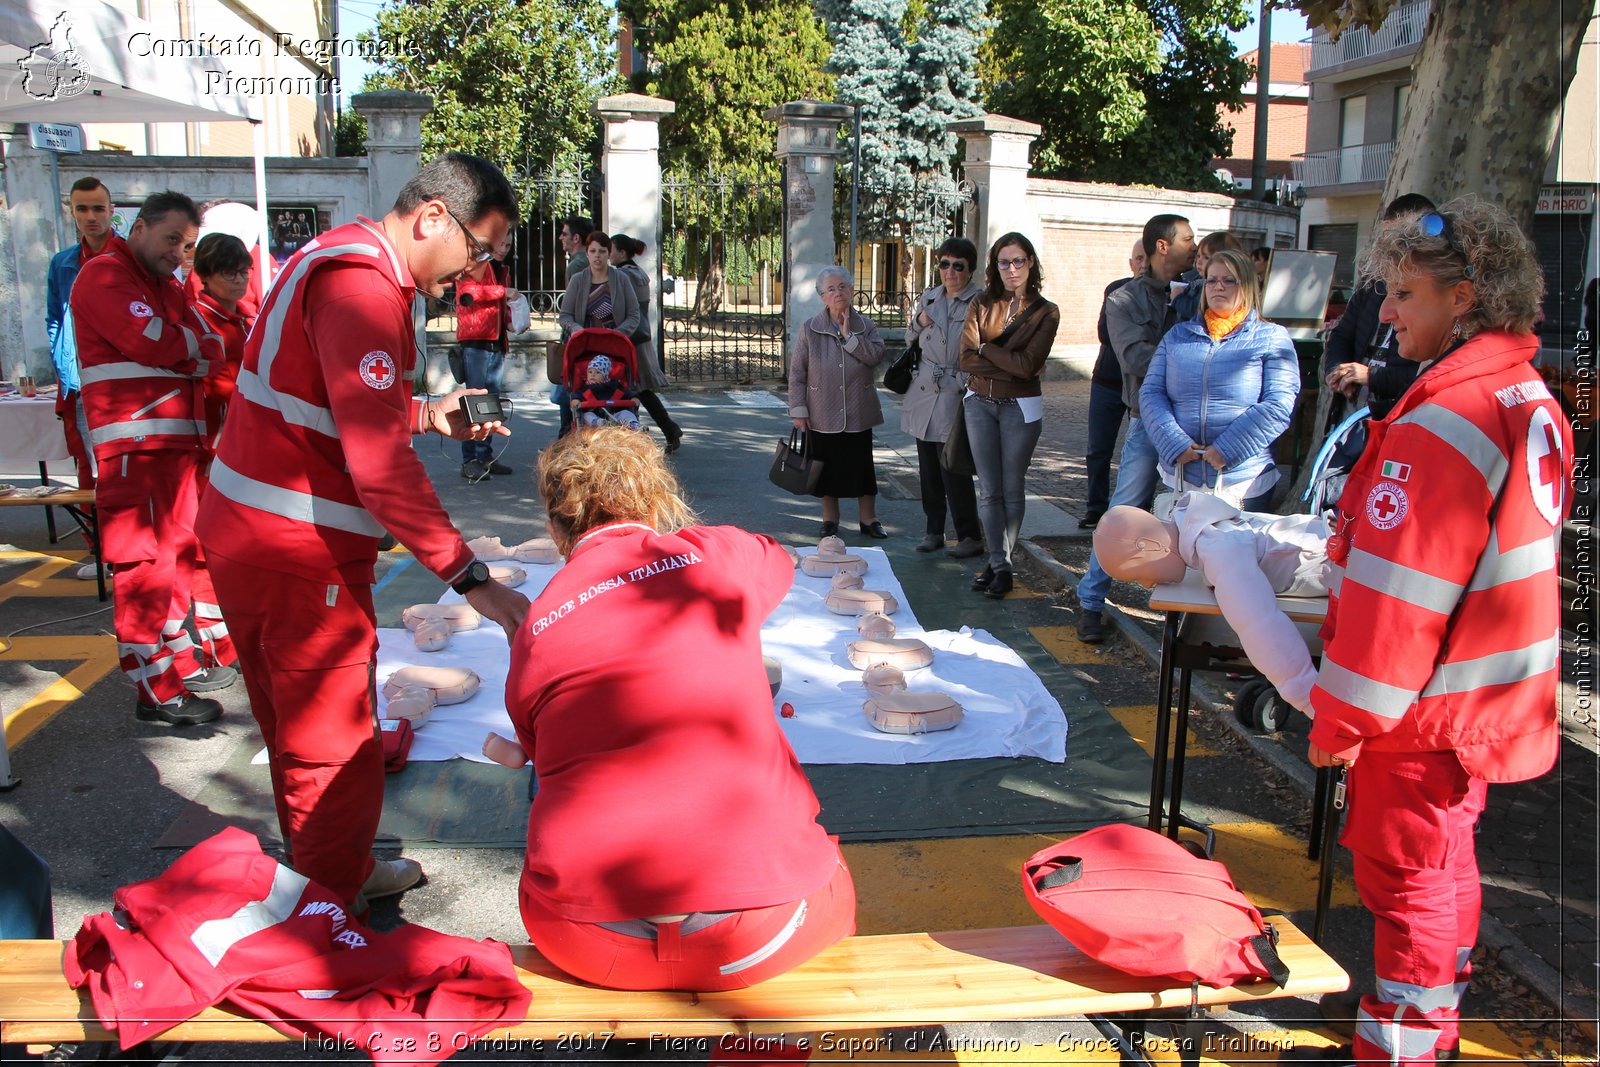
{"points": [[944, 69]]}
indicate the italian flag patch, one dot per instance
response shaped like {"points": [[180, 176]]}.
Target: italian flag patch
{"points": [[1396, 472]]}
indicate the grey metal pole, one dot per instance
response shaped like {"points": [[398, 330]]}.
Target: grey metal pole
{"points": [[1258, 163], [855, 186], [55, 189]]}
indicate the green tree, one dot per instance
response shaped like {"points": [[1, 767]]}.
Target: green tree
{"points": [[511, 80], [725, 63], [1126, 90], [1487, 89]]}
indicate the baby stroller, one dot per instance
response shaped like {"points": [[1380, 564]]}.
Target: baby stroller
{"points": [[606, 395]]}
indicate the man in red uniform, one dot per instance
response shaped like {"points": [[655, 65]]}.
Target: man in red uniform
{"points": [[481, 330], [315, 463], [144, 354]]}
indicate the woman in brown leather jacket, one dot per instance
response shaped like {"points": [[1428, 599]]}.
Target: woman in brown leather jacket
{"points": [[1007, 338]]}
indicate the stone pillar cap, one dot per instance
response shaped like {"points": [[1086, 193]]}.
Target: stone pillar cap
{"points": [[636, 105], [810, 109], [391, 100], [994, 124]]}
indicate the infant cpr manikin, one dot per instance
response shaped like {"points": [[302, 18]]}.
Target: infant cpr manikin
{"points": [[830, 559], [413, 692]]}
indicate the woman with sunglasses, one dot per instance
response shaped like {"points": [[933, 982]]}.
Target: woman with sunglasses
{"points": [[1004, 345], [933, 403], [1440, 666], [624, 253], [1220, 390]]}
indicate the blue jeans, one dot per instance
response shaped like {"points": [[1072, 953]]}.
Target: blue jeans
{"points": [[1106, 410], [1002, 447], [484, 367], [1136, 487]]}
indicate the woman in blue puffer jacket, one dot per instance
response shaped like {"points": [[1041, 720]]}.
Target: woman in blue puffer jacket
{"points": [[1221, 389]]}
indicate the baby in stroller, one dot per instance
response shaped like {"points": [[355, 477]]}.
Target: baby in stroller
{"points": [[601, 378]]}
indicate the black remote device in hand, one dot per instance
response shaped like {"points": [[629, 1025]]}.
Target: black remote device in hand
{"points": [[482, 407]]}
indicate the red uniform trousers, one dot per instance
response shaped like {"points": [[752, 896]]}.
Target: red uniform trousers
{"points": [[734, 952], [216, 645], [68, 408], [307, 650], [1410, 829], [146, 503]]}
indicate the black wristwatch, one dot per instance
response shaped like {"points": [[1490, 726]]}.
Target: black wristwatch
{"points": [[477, 574]]}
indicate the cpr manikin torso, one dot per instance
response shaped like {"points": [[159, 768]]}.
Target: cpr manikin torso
{"points": [[1248, 560]]}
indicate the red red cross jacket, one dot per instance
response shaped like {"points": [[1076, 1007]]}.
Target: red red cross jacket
{"points": [[315, 460], [228, 925], [1443, 628], [233, 327], [481, 308], [143, 353]]}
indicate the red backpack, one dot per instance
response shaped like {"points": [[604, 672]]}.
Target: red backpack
{"points": [[1143, 903]]}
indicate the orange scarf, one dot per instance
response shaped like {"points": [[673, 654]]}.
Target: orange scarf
{"points": [[1220, 326]]}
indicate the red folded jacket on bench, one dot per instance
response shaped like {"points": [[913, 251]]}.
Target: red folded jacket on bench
{"points": [[228, 925]]}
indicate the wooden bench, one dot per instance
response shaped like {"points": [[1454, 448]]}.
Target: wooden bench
{"points": [[77, 503], [1018, 973]]}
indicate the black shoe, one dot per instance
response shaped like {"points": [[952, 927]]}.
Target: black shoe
{"points": [[930, 542], [190, 711], [475, 471], [1091, 628], [829, 528], [875, 531], [998, 588], [674, 442], [500, 468], [211, 679], [1090, 521], [984, 577]]}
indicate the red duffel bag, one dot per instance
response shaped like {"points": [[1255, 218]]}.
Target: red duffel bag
{"points": [[1144, 904]]}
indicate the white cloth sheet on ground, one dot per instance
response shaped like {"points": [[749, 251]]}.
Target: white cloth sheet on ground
{"points": [[1009, 712]]}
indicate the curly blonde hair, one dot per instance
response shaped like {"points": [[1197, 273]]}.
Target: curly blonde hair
{"points": [[1490, 250], [600, 474]]}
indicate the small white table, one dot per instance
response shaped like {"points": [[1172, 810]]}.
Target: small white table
{"points": [[30, 432]]}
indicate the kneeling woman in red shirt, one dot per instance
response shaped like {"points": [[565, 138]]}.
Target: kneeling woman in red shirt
{"points": [[673, 841]]}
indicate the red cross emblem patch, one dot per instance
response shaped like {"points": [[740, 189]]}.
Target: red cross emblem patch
{"points": [[1387, 505], [377, 370], [1546, 471]]}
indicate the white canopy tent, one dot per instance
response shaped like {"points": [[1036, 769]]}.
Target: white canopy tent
{"points": [[74, 62]]}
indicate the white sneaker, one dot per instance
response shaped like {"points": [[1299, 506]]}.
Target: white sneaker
{"points": [[389, 877], [88, 572]]}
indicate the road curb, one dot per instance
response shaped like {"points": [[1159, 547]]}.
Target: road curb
{"points": [[1539, 976]]}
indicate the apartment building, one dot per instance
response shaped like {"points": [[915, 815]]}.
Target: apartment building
{"points": [[1359, 88]]}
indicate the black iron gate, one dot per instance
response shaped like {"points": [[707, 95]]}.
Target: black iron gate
{"points": [[720, 285], [890, 273], [538, 263]]}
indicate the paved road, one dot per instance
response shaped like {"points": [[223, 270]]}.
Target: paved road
{"points": [[99, 790]]}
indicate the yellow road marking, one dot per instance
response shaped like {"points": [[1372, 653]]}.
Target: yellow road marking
{"points": [[1062, 643], [1271, 867], [97, 656], [955, 883], [41, 580], [1140, 722]]}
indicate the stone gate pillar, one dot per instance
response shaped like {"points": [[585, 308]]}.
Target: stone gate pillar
{"points": [[630, 168], [997, 166], [808, 145], [394, 143]]}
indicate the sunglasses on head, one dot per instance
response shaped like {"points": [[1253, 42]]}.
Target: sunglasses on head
{"points": [[1434, 224], [957, 265]]}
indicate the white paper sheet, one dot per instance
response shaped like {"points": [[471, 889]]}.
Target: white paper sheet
{"points": [[1009, 712]]}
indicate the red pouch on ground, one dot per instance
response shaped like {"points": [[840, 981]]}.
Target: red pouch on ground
{"points": [[1142, 903], [397, 735]]}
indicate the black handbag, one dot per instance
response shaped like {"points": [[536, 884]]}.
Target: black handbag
{"points": [[794, 469], [901, 373], [956, 457]]}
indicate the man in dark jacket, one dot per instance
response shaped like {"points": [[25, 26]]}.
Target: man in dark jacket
{"points": [[1360, 350], [1106, 408]]}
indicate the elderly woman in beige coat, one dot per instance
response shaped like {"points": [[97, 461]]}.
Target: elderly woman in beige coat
{"points": [[933, 403], [833, 398]]}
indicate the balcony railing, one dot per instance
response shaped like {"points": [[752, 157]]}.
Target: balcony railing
{"points": [[1345, 166], [1402, 29]]}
